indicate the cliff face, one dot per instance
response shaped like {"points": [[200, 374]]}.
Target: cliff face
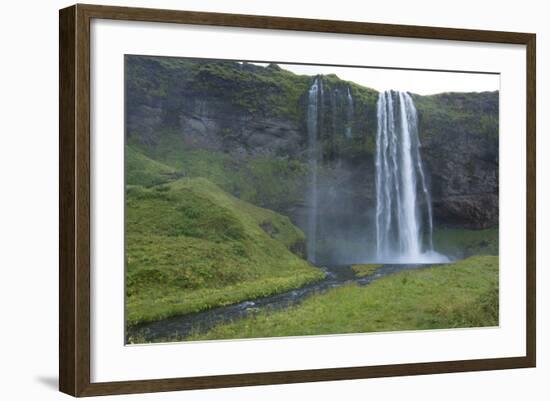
{"points": [[459, 136], [229, 107], [247, 112], [242, 108]]}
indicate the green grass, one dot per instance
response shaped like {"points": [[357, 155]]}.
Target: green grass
{"points": [[266, 181], [141, 170], [171, 150], [365, 270], [190, 246], [456, 242], [463, 294]]}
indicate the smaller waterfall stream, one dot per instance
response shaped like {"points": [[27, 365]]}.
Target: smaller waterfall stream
{"points": [[349, 115], [314, 99]]}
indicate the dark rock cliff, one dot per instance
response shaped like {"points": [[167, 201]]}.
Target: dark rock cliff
{"points": [[246, 111], [459, 136]]}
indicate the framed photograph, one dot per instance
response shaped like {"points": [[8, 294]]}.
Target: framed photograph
{"points": [[250, 200]]}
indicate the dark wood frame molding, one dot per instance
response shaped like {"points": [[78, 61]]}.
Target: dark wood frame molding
{"points": [[74, 199]]}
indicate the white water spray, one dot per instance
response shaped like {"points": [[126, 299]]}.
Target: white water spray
{"points": [[315, 95], [349, 115], [404, 223]]}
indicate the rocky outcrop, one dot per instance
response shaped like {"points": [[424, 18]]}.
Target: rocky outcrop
{"points": [[223, 106], [459, 136], [473, 211], [239, 135]]}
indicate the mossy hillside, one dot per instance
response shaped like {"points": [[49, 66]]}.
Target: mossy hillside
{"points": [[141, 170], [463, 294], [260, 90], [271, 182], [190, 246]]}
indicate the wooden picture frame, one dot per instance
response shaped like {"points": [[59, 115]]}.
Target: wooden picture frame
{"points": [[74, 203]]}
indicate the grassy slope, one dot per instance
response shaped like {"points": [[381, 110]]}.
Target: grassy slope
{"points": [[265, 181], [141, 170], [191, 246], [464, 294]]}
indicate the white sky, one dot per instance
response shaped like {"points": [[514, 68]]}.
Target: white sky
{"points": [[420, 82]]}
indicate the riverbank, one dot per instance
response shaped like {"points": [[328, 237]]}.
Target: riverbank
{"points": [[394, 297], [180, 327], [459, 295]]}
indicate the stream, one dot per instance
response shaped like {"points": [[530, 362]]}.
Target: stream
{"points": [[200, 322]]}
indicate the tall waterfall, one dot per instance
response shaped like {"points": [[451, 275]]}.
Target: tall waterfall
{"points": [[314, 100], [404, 222]]}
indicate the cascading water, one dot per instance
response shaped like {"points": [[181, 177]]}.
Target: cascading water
{"points": [[314, 99], [349, 115], [401, 235]]}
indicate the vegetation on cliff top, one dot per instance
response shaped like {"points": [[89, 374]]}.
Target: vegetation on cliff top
{"points": [[475, 113], [254, 91], [275, 91], [250, 88]]}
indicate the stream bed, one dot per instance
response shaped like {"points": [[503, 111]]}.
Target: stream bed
{"points": [[200, 322]]}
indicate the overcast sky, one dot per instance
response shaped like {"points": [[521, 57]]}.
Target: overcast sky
{"points": [[421, 82]]}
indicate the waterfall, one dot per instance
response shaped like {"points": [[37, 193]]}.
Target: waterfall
{"points": [[404, 223], [349, 115], [315, 97]]}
